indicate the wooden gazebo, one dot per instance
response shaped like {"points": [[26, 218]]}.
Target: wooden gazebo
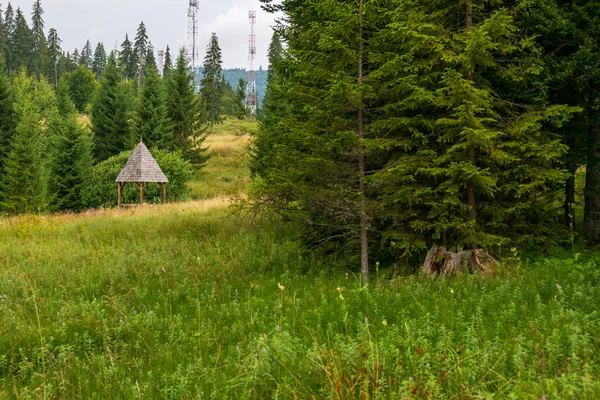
{"points": [[141, 169]]}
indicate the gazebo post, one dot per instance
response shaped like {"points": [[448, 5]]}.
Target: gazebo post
{"points": [[120, 193], [164, 190], [141, 184]]}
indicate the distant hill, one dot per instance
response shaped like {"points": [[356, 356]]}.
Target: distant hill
{"points": [[233, 77]]}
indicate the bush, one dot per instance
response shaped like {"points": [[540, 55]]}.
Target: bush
{"points": [[102, 189]]}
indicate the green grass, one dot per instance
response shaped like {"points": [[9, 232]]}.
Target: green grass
{"points": [[226, 172], [187, 301]]}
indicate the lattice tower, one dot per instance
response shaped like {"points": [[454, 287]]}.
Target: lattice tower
{"points": [[192, 51], [251, 100], [161, 62]]}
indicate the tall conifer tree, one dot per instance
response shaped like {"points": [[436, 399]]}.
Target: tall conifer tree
{"points": [[55, 53], [110, 114], [127, 59], [211, 88], [183, 111], [41, 58], [9, 23], [152, 124], [140, 50], [168, 62], [99, 63], [22, 41]]}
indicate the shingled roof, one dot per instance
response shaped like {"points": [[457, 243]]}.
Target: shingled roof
{"points": [[141, 167]]}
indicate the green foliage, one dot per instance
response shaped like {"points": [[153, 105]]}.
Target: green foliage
{"points": [[127, 60], [82, 84], [183, 112], [110, 114], [458, 149], [22, 44], [152, 122], [8, 117], [211, 86], [240, 99], [102, 189], [71, 164], [168, 62], [99, 63]]}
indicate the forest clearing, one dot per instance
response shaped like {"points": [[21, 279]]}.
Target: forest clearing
{"points": [[188, 301]]}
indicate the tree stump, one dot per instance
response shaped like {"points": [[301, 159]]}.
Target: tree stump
{"points": [[440, 262]]}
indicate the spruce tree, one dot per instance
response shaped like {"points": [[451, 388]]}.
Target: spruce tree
{"points": [[127, 60], [41, 57], [23, 184], [82, 83], [110, 114], [75, 58], [9, 23], [55, 53], [183, 112], [71, 164], [211, 88], [87, 55], [8, 118], [99, 63], [240, 99], [3, 37], [22, 43], [168, 62], [140, 51], [152, 123]]}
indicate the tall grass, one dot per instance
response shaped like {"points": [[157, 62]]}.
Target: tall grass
{"points": [[187, 302], [226, 172]]}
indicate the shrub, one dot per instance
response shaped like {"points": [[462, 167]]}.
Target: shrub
{"points": [[102, 189]]}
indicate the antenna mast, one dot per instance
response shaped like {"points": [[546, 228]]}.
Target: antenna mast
{"points": [[251, 101], [161, 62], [193, 33]]}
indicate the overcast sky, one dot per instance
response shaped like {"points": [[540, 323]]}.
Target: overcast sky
{"points": [[107, 21]]}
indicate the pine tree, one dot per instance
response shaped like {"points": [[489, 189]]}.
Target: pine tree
{"points": [[55, 53], [168, 62], [86, 55], [71, 164], [183, 112], [22, 43], [9, 23], [99, 63], [75, 58], [110, 114], [23, 184], [211, 89], [152, 124], [3, 37], [82, 83], [240, 99], [140, 51], [41, 57], [127, 59], [8, 118]]}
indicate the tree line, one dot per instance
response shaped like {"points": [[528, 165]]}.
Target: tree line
{"points": [[49, 147], [393, 126]]}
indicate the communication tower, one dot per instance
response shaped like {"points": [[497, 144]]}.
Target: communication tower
{"points": [[161, 62], [193, 33], [251, 100]]}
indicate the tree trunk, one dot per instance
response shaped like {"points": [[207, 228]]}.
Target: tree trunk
{"points": [[471, 200], [364, 235], [592, 181], [440, 262], [570, 197]]}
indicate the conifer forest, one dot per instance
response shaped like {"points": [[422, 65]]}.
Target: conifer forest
{"points": [[412, 212]]}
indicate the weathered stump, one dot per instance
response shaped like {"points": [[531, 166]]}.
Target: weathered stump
{"points": [[440, 262]]}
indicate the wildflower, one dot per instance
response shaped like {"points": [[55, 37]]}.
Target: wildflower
{"points": [[366, 320], [452, 291], [384, 322], [281, 287], [277, 328], [514, 249], [346, 276], [558, 286]]}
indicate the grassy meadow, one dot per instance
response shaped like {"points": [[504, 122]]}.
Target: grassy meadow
{"points": [[187, 301]]}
